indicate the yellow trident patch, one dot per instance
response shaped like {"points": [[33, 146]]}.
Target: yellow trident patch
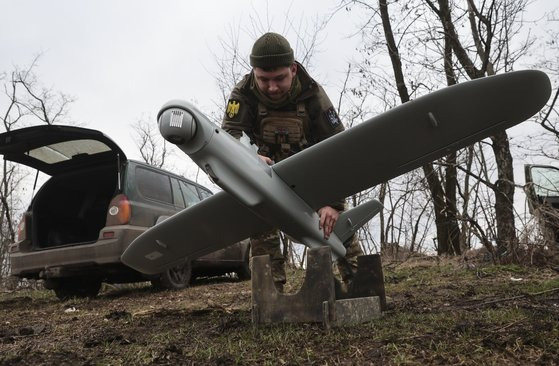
{"points": [[232, 108]]}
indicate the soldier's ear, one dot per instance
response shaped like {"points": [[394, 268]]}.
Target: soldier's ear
{"points": [[293, 68]]}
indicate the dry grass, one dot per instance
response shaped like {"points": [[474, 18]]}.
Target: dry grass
{"points": [[446, 311]]}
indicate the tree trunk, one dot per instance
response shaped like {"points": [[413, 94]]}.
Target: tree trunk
{"points": [[442, 222], [451, 174], [504, 187], [504, 196], [381, 197], [451, 183]]}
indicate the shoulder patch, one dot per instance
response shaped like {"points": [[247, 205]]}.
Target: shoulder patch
{"points": [[233, 107], [332, 117]]}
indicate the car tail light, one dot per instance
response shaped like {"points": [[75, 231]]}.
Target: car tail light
{"points": [[108, 234], [119, 211], [21, 229]]}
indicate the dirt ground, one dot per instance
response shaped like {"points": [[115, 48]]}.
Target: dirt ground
{"points": [[444, 312]]}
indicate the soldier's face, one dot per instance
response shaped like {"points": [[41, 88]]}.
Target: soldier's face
{"points": [[275, 83]]}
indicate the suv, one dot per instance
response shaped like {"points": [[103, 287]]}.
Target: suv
{"points": [[94, 205], [542, 192]]}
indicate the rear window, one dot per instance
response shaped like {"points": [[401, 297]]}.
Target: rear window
{"points": [[154, 185], [177, 194], [190, 193], [204, 193], [546, 181], [56, 153]]}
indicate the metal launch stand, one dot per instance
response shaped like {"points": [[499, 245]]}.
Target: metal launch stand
{"points": [[320, 299]]}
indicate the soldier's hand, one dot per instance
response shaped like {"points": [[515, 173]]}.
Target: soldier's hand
{"points": [[266, 159], [328, 217]]}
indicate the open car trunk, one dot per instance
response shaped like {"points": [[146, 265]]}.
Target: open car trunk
{"points": [[71, 208], [84, 164]]}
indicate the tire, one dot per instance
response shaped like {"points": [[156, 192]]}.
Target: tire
{"points": [[67, 288], [244, 273], [175, 278]]}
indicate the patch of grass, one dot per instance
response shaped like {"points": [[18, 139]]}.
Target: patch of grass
{"points": [[535, 287], [28, 294], [505, 268], [425, 275], [444, 313]]}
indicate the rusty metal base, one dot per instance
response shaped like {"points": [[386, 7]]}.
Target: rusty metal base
{"points": [[321, 299]]}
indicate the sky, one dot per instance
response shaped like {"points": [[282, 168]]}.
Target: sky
{"points": [[122, 60]]}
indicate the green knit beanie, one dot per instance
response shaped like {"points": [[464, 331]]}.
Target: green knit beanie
{"points": [[270, 51]]}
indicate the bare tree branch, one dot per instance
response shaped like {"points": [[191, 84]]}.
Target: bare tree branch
{"points": [[152, 147]]}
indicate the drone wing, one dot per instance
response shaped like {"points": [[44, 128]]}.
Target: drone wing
{"points": [[413, 134], [212, 224]]}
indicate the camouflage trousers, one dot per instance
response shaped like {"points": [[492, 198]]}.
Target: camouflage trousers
{"points": [[268, 243], [348, 267]]}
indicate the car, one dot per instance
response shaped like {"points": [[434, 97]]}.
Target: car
{"points": [[542, 192], [95, 203]]}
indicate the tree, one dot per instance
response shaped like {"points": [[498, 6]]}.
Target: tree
{"points": [[24, 102], [429, 43], [153, 148], [492, 27], [548, 119], [443, 191]]}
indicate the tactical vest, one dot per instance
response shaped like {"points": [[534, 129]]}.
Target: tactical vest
{"points": [[281, 133]]}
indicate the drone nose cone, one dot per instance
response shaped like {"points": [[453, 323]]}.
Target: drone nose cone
{"points": [[177, 125]]}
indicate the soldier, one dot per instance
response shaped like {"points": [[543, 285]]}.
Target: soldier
{"points": [[283, 111]]}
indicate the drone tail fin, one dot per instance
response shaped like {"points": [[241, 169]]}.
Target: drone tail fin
{"points": [[351, 220]]}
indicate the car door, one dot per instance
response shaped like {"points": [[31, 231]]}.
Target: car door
{"points": [[57, 149], [542, 192], [542, 186]]}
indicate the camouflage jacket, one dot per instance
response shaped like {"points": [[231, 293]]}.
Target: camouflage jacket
{"points": [[322, 120]]}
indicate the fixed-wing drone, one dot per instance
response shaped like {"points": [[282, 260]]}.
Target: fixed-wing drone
{"points": [[286, 195]]}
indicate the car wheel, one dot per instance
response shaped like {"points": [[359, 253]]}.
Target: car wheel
{"points": [[66, 288], [244, 273], [175, 278]]}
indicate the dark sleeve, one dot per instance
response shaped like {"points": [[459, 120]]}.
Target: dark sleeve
{"points": [[324, 118], [239, 116]]}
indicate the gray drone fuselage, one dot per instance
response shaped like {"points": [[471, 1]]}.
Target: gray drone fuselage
{"points": [[238, 170]]}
